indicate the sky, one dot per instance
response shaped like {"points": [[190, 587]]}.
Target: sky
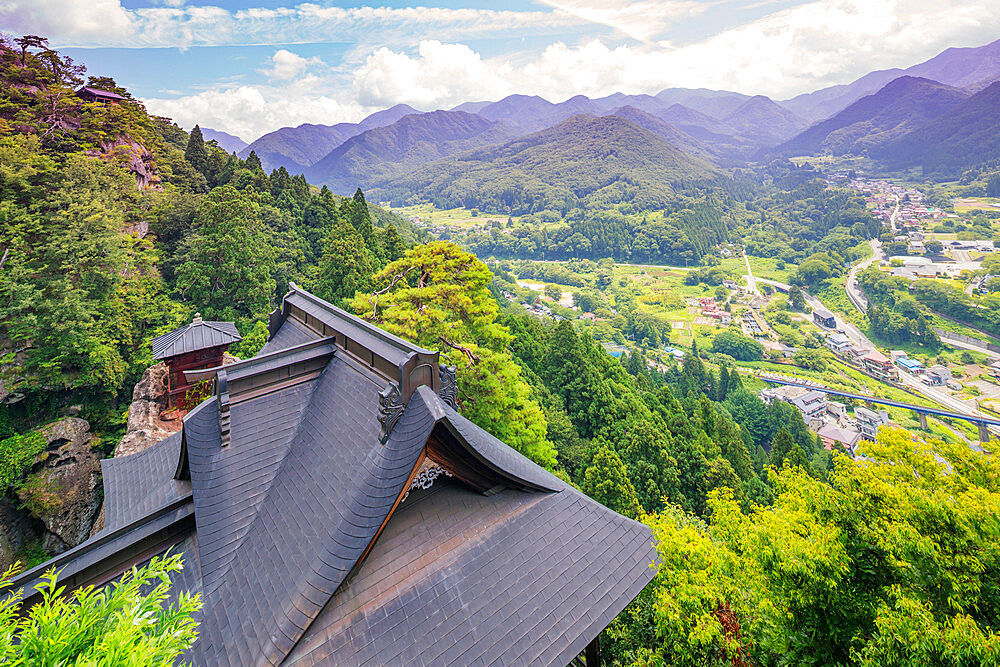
{"points": [[248, 68]]}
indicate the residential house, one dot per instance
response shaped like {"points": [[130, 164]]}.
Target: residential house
{"points": [[870, 421], [879, 366], [937, 375], [831, 434], [838, 343], [909, 365], [811, 403]]}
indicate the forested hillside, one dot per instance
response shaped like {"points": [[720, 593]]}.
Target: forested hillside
{"points": [[404, 146], [583, 161], [965, 136]]}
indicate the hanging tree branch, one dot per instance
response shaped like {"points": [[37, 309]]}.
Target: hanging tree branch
{"points": [[461, 348], [375, 295]]}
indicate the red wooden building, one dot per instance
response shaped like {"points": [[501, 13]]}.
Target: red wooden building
{"points": [[200, 344]]}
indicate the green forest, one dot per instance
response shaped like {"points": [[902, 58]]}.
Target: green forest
{"points": [[117, 226]]}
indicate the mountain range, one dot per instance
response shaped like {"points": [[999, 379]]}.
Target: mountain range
{"points": [[225, 141], [889, 114], [963, 137], [901, 106]]}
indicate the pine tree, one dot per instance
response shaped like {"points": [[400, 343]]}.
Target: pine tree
{"points": [[195, 152]]}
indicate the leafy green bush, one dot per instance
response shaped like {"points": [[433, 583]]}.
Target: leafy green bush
{"points": [[125, 623], [738, 346]]}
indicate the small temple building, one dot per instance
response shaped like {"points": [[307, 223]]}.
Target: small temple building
{"points": [[199, 344], [88, 94], [334, 508]]}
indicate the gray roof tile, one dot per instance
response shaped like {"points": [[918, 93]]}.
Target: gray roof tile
{"points": [[198, 335]]}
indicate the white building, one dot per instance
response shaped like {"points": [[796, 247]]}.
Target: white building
{"points": [[869, 421]]}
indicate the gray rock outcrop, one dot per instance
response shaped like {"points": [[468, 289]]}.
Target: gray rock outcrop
{"points": [[149, 398], [63, 490]]}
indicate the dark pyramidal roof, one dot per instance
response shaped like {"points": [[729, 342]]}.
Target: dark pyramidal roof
{"points": [[198, 335], [335, 509]]}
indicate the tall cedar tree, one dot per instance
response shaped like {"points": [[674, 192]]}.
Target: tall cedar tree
{"points": [[195, 152], [345, 266], [227, 261]]}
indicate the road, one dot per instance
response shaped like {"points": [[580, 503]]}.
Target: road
{"points": [[854, 291], [858, 338], [751, 281]]}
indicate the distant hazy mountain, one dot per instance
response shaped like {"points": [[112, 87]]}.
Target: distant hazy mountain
{"points": [[973, 68], [901, 106], [585, 158], [531, 113], [715, 103], [296, 148], [408, 144], [764, 122], [647, 103], [965, 136], [226, 141], [471, 107]]}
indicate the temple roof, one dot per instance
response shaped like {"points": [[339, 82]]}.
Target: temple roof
{"points": [[344, 513], [198, 335]]}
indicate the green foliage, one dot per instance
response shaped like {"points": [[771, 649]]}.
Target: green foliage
{"points": [[195, 152], [892, 562], [252, 342], [130, 622], [436, 296], [76, 294], [16, 455], [41, 494], [345, 265], [737, 346], [606, 482], [227, 261]]}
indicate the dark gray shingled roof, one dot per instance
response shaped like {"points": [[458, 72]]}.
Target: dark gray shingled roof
{"points": [[136, 485], [511, 579], [307, 548], [198, 335]]}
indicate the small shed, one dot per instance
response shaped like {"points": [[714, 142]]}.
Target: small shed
{"points": [[824, 318], [200, 344], [88, 94]]}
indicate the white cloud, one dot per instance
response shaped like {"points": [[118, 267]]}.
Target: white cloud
{"points": [[287, 65], [106, 23], [88, 20], [250, 111], [643, 20], [783, 54]]}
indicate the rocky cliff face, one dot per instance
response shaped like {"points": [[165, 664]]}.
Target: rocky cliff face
{"points": [[149, 399], [60, 496], [136, 158]]}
